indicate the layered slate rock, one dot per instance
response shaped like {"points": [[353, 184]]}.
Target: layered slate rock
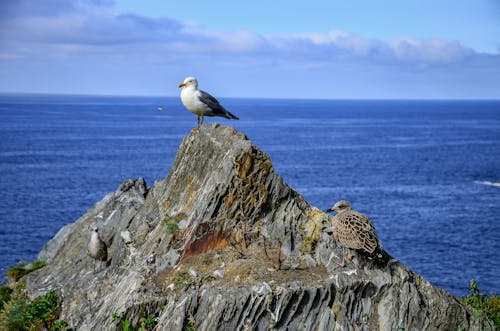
{"points": [[223, 243]]}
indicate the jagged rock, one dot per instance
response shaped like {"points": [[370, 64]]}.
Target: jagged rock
{"points": [[223, 208]]}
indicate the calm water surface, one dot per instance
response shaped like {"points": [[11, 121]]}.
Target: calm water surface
{"points": [[419, 169]]}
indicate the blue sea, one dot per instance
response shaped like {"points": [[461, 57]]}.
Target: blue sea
{"points": [[424, 171]]}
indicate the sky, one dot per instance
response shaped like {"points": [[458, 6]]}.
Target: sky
{"points": [[329, 49]]}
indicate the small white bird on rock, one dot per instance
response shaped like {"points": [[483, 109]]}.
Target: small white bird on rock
{"points": [[201, 103], [97, 248]]}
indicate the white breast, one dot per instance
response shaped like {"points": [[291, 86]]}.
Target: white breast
{"points": [[191, 101]]}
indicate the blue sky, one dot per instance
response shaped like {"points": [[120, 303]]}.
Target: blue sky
{"points": [[278, 49]]}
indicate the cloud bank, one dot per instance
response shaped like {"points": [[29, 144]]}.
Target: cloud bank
{"points": [[60, 29], [96, 26]]}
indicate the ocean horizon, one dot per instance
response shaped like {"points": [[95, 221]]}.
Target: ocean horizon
{"points": [[424, 171]]}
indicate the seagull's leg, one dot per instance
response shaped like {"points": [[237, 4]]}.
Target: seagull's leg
{"points": [[202, 118], [198, 118]]}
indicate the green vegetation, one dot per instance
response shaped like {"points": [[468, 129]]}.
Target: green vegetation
{"points": [[5, 294], [20, 313], [60, 325], [13, 317], [171, 227], [145, 323], [483, 306], [189, 324], [17, 272], [172, 222], [41, 311]]}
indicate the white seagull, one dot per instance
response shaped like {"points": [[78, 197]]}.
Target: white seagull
{"points": [[201, 103]]}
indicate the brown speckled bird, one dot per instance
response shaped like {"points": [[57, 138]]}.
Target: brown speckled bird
{"points": [[354, 230]]}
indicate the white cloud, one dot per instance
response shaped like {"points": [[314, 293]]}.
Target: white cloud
{"points": [[94, 34], [429, 51], [97, 25]]}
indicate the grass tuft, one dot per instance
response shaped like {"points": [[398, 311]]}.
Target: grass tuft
{"points": [[22, 268], [482, 305]]}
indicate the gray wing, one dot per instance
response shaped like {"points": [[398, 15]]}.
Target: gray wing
{"points": [[212, 103]]}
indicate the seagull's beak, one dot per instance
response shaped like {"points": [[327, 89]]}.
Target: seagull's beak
{"points": [[329, 210], [182, 84]]}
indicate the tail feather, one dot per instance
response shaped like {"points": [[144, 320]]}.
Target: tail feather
{"points": [[231, 116]]}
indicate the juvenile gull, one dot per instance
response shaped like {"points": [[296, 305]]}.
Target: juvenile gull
{"points": [[97, 248], [354, 230], [201, 103]]}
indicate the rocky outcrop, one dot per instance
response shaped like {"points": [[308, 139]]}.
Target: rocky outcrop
{"points": [[224, 244]]}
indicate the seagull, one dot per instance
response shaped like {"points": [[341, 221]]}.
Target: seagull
{"points": [[201, 103], [97, 248], [355, 231]]}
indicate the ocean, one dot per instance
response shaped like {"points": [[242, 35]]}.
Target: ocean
{"points": [[423, 171]]}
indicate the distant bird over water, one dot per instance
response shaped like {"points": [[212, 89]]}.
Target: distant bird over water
{"points": [[355, 231], [97, 248], [201, 103]]}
